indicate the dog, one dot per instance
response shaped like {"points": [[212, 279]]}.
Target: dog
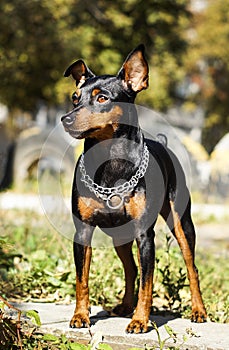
{"points": [[122, 182]]}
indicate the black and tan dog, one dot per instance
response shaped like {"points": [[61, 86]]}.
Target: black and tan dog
{"points": [[122, 182]]}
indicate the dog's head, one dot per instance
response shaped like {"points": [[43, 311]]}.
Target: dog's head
{"points": [[98, 100]]}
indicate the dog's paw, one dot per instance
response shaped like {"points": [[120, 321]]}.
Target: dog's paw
{"points": [[199, 315], [122, 310], [137, 326], [80, 320]]}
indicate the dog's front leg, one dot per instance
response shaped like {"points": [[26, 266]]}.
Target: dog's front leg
{"points": [[82, 256], [146, 258]]}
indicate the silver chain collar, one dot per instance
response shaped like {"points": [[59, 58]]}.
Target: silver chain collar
{"points": [[114, 196]]}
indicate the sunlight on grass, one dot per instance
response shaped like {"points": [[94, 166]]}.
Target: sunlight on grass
{"points": [[36, 263]]}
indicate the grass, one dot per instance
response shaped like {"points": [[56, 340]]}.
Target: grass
{"points": [[36, 263]]}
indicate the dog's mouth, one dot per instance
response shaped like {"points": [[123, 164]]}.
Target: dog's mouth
{"points": [[74, 133], [82, 134]]}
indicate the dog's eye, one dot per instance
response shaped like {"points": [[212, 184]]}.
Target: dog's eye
{"points": [[102, 99]]}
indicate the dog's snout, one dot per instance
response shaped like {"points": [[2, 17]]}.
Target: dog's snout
{"points": [[68, 119]]}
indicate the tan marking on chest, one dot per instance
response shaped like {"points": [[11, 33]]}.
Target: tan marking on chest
{"points": [[136, 206], [88, 206]]}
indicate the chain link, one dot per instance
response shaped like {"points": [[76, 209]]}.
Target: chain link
{"points": [[122, 190]]}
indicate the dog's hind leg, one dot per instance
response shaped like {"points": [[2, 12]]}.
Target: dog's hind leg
{"points": [[126, 256], [182, 227]]}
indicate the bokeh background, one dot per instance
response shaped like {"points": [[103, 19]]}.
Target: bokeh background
{"points": [[187, 49]]}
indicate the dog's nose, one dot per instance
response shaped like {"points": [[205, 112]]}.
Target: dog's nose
{"points": [[68, 119]]}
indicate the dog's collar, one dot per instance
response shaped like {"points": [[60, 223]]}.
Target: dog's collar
{"points": [[114, 196]]}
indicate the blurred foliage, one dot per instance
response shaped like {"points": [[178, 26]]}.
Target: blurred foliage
{"points": [[30, 50], [39, 39], [31, 273], [209, 68]]}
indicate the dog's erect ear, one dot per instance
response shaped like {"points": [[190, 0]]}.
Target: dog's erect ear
{"points": [[79, 71], [135, 71]]}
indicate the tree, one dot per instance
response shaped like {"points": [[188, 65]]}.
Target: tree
{"points": [[209, 65], [40, 38], [108, 30], [31, 53]]}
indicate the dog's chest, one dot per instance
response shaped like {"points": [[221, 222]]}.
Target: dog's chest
{"points": [[96, 211]]}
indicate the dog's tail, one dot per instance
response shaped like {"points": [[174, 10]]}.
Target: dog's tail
{"points": [[162, 139]]}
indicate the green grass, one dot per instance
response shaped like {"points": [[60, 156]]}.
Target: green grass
{"points": [[36, 263]]}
